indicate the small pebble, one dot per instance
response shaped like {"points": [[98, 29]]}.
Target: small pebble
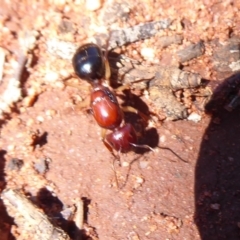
{"points": [[64, 73], [28, 41], [51, 76], [147, 53], [93, 5], [30, 122], [40, 119], [11, 147], [50, 112], [143, 164], [125, 164], [194, 117], [139, 180], [42, 165], [67, 213], [60, 85], [162, 139], [29, 100], [15, 164]]}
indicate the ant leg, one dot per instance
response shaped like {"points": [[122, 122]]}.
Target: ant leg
{"points": [[129, 108], [84, 104], [116, 157], [134, 110], [75, 84], [115, 173], [103, 133], [107, 145], [107, 72], [113, 162], [122, 88]]}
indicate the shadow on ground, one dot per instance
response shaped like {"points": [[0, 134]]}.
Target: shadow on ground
{"points": [[217, 176]]}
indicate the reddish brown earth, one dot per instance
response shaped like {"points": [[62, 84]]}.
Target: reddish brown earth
{"points": [[191, 192]]}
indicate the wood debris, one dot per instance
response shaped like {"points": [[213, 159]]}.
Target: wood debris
{"points": [[34, 224]]}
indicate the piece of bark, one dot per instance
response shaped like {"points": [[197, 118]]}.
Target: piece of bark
{"points": [[166, 41], [164, 100], [79, 219], [132, 72], [117, 38], [161, 82], [191, 51], [226, 57], [124, 36], [30, 220]]}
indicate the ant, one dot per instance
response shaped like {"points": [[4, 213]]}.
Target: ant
{"points": [[91, 65]]}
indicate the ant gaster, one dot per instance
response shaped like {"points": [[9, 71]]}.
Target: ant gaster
{"points": [[91, 65]]}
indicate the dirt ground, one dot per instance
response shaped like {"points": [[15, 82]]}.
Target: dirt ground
{"points": [[50, 150]]}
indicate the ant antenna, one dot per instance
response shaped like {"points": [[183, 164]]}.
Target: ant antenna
{"points": [[142, 146], [169, 149]]}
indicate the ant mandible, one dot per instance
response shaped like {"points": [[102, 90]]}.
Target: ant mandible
{"points": [[91, 65]]}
